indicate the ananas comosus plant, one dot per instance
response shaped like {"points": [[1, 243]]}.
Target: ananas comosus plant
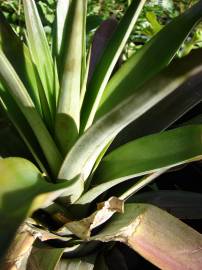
{"points": [[69, 106]]}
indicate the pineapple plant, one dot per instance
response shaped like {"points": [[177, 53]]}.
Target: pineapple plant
{"points": [[60, 208]]}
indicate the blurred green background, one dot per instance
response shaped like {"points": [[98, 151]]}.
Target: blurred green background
{"points": [[154, 16]]}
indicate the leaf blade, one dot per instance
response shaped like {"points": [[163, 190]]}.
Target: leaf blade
{"points": [[105, 67], [149, 60], [68, 111]]}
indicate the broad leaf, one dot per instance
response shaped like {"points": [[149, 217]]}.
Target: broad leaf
{"points": [[23, 190], [90, 145], [166, 112], [151, 153], [148, 61], [168, 244]]}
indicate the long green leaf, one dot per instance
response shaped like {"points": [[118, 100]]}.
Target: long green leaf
{"points": [[16, 89], [162, 239], [90, 145], [107, 63], [150, 153], [94, 192], [40, 51], [70, 69], [166, 112], [18, 55], [148, 61], [59, 24]]}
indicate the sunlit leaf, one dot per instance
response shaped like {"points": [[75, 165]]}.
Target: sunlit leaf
{"points": [[70, 72], [149, 60], [90, 145], [107, 63]]}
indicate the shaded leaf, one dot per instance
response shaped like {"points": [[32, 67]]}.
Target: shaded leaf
{"points": [[23, 190], [166, 112], [15, 88], [82, 228], [44, 258], [181, 204]]}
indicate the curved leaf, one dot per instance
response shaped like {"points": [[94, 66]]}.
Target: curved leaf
{"points": [[151, 153], [18, 55], [16, 89], [166, 112], [107, 63], [149, 60], [23, 190], [90, 145], [40, 52]]}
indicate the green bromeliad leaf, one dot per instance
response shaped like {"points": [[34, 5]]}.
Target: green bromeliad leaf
{"points": [[148, 61], [91, 144], [107, 63], [59, 24], [18, 55], [70, 73], [146, 155], [41, 53]]}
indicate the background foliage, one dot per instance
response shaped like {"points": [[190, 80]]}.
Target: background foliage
{"points": [[154, 16]]}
